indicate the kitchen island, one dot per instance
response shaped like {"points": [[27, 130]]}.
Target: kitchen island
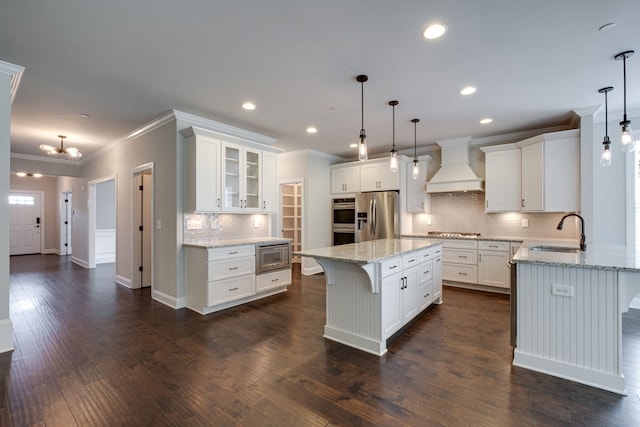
{"points": [[376, 288], [569, 309]]}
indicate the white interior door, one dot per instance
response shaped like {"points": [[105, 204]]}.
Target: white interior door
{"points": [[26, 219], [143, 222], [66, 213]]}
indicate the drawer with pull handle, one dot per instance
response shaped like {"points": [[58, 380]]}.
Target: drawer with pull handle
{"points": [[390, 266], [490, 245], [275, 279], [460, 273], [230, 289], [215, 254], [224, 269], [425, 271], [460, 256]]}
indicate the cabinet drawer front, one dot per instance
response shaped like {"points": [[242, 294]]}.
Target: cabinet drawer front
{"points": [[410, 260], [460, 273], [426, 254], [231, 268], [231, 289], [390, 266], [425, 294], [231, 252], [460, 256], [273, 280], [493, 245], [460, 244], [425, 271]]}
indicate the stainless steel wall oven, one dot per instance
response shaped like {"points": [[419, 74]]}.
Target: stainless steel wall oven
{"points": [[343, 217]]}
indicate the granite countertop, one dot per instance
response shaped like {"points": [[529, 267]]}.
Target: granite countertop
{"points": [[604, 257], [367, 252], [492, 238], [220, 242]]}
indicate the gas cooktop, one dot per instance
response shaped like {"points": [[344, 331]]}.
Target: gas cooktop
{"points": [[453, 234]]}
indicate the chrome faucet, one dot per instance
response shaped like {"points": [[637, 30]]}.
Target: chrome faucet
{"points": [[583, 243]]}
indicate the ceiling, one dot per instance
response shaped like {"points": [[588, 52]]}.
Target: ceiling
{"points": [[126, 63]]}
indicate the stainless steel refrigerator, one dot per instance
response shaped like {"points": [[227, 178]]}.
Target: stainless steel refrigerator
{"points": [[377, 216]]}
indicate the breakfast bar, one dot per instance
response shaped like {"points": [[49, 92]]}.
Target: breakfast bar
{"points": [[569, 306], [375, 288]]}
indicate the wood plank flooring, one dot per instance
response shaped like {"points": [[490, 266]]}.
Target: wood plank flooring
{"points": [[90, 352]]}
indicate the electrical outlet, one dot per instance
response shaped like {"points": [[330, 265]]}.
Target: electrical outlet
{"points": [[562, 290], [525, 223]]}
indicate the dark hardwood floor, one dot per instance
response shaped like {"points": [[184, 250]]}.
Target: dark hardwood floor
{"points": [[90, 352]]}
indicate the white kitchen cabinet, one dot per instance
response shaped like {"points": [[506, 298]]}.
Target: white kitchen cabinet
{"points": [[345, 179], [417, 200], [376, 175], [493, 264], [436, 283], [269, 182], [241, 178], [551, 172], [391, 311], [202, 181], [219, 278], [502, 178], [410, 300]]}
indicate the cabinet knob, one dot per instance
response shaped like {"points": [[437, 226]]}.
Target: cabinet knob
{"points": [[523, 203]]}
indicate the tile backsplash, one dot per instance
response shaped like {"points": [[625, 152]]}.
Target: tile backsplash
{"points": [[464, 212], [225, 226]]}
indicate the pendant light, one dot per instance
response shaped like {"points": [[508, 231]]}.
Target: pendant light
{"points": [[627, 139], [393, 163], [416, 169], [362, 147], [605, 158]]}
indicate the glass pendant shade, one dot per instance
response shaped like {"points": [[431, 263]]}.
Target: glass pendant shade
{"points": [[605, 157], [627, 139], [362, 147], [393, 163], [416, 170]]}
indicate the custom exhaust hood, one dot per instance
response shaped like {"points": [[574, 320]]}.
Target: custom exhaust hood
{"points": [[455, 172]]}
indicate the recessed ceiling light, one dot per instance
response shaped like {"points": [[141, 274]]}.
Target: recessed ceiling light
{"points": [[607, 27], [311, 129], [353, 145], [84, 115], [249, 106], [434, 31], [486, 121], [467, 90]]}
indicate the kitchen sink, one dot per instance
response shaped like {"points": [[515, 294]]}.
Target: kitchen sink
{"points": [[564, 249]]}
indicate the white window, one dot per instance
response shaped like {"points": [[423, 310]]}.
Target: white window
{"points": [[21, 200]]}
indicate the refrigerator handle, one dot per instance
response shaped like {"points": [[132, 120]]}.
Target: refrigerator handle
{"points": [[374, 218], [371, 229]]}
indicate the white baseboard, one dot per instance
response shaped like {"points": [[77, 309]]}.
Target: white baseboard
{"points": [[50, 251], [308, 271], [635, 303], [6, 335], [80, 262], [168, 300], [124, 281], [105, 257]]}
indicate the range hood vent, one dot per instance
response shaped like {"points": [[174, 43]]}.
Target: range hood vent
{"points": [[455, 173]]}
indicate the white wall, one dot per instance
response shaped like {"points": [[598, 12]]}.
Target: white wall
{"points": [[9, 78]]}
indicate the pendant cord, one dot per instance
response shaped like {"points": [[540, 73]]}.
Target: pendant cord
{"points": [[606, 115], [624, 81], [393, 132]]}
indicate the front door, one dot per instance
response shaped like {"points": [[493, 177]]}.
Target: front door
{"points": [[25, 223]]}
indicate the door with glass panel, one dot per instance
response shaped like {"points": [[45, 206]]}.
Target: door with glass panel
{"points": [[25, 221], [241, 185]]}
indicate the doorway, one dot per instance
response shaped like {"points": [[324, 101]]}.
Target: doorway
{"points": [[66, 216], [291, 214], [26, 222], [142, 226], [102, 221]]}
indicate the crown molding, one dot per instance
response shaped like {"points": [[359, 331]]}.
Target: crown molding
{"points": [[46, 159], [310, 152], [221, 128], [15, 71], [517, 136]]}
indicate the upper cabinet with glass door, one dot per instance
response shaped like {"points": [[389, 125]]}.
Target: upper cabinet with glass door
{"points": [[241, 178]]}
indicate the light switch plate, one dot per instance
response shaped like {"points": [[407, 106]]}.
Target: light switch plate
{"points": [[525, 223]]}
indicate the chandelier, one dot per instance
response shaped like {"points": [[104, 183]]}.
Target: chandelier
{"points": [[54, 151]]}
